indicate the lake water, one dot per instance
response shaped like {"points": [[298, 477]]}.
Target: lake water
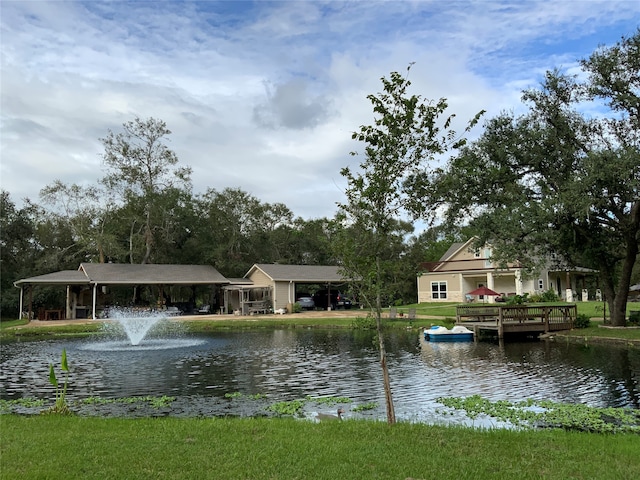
{"points": [[296, 363]]}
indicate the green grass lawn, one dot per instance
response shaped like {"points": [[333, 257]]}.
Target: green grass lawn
{"points": [[171, 448]]}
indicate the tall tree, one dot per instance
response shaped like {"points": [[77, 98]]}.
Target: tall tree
{"points": [[556, 181], [87, 212], [18, 250], [144, 171], [407, 133]]}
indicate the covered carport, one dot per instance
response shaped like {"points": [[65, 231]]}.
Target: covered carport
{"points": [[86, 287], [283, 280]]}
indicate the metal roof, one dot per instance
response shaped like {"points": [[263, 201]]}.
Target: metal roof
{"points": [[300, 273], [130, 274], [149, 274], [63, 277]]}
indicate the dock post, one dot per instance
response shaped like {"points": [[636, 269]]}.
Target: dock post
{"points": [[500, 325]]}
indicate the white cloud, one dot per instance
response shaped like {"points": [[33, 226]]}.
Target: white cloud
{"points": [[263, 95]]}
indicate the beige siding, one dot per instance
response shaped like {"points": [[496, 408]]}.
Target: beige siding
{"points": [[259, 279], [452, 281], [281, 294]]}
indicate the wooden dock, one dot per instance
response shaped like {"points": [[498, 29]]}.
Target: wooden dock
{"points": [[510, 319]]}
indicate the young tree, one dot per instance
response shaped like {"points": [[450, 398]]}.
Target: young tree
{"points": [[141, 169], [557, 181], [407, 133]]}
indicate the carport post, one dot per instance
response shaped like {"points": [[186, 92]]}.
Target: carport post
{"points": [[95, 292], [21, 307]]}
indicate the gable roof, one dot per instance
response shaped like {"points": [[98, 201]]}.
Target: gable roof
{"points": [[299, 273], [150, 274], [130, 274], [453, 249], [63, 277]]}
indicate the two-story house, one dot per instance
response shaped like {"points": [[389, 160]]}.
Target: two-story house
{"points": [[464, 268]]}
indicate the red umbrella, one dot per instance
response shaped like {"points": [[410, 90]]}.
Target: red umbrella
{"points": [[484, 291]]}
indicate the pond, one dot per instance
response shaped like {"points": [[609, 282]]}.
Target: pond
{"points": [[292, 364]]}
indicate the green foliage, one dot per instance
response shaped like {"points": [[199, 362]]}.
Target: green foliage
{"points": [[518, 299], [582, 321], [7, 405], [296, 308], [561, 183], [60, 406], [365, 406], [328, 400], [547, 414], [367, 322], [292, 407], [549, 296], [155, 402], [634, 318], [233, 395]]}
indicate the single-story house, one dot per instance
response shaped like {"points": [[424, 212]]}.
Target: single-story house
{"points": [[88, 286], [463, 268], [277, 285], [263, 288]]}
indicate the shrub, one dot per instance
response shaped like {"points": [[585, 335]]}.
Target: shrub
{"points": [[364, 323], [518, 299], [535, 298], [634, 318], [549, 296], [582, 321]]}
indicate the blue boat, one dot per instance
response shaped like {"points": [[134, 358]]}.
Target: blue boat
{"points": [[442, 334]]}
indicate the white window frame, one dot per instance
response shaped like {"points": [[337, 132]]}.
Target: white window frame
{"points": [[441, 291]]}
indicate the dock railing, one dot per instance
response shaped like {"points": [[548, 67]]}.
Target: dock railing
{"points": [[519, 318]]}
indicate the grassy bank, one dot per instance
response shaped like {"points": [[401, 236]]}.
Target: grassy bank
{"points": [[168, 448]]}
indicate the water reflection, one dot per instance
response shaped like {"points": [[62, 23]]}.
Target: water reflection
{"points": [[291, 364]]}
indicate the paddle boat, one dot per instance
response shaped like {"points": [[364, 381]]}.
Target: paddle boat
{"points": [[442, 334]]}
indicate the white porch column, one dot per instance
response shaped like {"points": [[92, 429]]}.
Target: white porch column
{"points": [[490, 285], [21, 305], [67, 313], [95, 295], [518, 275], [568, 291]]}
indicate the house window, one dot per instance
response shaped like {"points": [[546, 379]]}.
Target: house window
{"points": [[438, 290], [540, 284], [487, 258]]}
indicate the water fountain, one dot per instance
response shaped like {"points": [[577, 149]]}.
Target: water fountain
{"points": [[136, 325]]}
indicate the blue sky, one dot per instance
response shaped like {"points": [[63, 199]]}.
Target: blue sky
{"points": [[264, 96]]}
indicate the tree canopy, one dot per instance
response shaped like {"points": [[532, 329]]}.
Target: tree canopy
{"points": [[559, 180]]}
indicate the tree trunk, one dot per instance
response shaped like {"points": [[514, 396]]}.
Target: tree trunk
{"points": [[391, 414]]}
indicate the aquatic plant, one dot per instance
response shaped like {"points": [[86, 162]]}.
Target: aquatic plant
{"points": [[255, 396], [328, 400], [292, 407], [365, 406], [547, 414], [60, 406], [7, 405], [155, 402], [233, 395]]}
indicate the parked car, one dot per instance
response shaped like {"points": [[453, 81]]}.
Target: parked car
{"points": [[331, 298], [306, 302]]}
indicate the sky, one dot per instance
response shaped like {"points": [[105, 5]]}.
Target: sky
{"points": [[259, 95]]}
